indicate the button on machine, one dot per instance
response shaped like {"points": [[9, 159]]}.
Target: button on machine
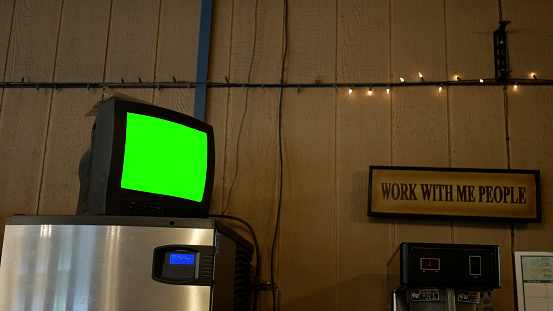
{"points": [[431, 264], [475, 265]]}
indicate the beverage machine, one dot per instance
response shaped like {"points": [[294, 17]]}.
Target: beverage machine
{"points": [[441, 277]]}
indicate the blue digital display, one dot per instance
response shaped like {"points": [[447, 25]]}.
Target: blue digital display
{"points": [[181, 259]]}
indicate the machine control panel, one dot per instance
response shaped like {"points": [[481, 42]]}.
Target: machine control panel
{"points": [[470, 267], [183, 264]]}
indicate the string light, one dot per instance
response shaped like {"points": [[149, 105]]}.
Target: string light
{"points": [[441, 87], [516, 85], [534, 80]]}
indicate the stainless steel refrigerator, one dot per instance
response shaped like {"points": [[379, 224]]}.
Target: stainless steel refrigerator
{"points": [[123, 263]]}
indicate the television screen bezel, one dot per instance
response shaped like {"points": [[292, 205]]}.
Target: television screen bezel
{"points": [[120, 201]]}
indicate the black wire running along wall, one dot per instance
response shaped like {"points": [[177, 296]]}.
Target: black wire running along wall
{"points": [[298, 86]]}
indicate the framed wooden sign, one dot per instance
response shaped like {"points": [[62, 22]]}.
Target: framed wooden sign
{"points": [[487, 194]]}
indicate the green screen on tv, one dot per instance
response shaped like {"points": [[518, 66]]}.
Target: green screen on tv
{"points": [[164, 157]]}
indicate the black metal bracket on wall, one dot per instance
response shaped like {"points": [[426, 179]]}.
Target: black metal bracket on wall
{"points": [[501, 56], [200, 96]]}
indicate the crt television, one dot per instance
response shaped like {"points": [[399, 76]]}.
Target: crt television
{"points": [[146, 160]]}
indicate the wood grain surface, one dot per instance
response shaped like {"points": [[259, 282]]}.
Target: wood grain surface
{"points": [[330, 255]]}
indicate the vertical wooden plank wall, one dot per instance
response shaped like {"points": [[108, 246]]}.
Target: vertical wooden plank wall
{"points": [[69, 129], [216, 111], [331, 256], [132, 44], [307, 249], [176, 53], [477, 120], [251, 176], [24, 116], [362, 139], [419, 115], [531, 111], [6, 14]]}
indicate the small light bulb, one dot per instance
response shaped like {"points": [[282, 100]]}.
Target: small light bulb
{"points": [[402, 80], [388, 89], [481, 80], [516, 85], [457, 78], [420, 75], [370, 90], [534, 76], [350, 90], [441, 87]]}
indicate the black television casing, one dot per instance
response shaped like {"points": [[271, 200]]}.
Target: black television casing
{"points": [[101, 167]]}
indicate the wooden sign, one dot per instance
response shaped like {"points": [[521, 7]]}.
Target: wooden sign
{"points": [[488, 194]]}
